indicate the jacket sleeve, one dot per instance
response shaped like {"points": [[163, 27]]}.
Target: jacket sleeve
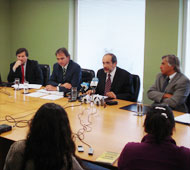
{"points": [[53, 78], [154, 92], [180, 95], [128, 91], [12, 75]]}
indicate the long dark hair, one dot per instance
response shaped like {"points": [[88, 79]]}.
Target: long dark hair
{"points": [[159, 122], [49, 142]]}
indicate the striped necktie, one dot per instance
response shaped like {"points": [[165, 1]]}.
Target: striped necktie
{"points": [[107, 85]]}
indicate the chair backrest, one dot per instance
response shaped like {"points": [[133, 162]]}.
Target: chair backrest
{"points": [[188, 103], [136, 85], [87, 75], [46, 73]]}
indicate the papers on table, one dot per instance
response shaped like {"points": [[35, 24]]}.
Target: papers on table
{"points": [[30, 86], [185, 119], [49, 95], [50, 92]]}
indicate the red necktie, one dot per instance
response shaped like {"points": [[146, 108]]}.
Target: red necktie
{"points": [[22, 69], [108, 84]]}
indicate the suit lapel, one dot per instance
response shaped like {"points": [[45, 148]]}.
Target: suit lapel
{"points": [[115, 78], [172, 82], [27, 69]]}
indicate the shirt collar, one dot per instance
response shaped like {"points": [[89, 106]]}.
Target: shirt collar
{"points": [[65, 67], [172, 75]]}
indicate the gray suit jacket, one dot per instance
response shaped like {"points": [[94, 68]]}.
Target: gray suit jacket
{"points": [[179, 87]]}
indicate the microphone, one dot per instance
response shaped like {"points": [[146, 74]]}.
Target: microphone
{"points": [[84, 86], [94, 83]]}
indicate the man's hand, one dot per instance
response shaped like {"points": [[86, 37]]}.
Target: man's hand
{"points": [[66, 85], [167, 96], [111, 95], [89, 92], [16, 65], [51, 88]]}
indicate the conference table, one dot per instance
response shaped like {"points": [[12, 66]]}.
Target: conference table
{"points": [[109, 127]]}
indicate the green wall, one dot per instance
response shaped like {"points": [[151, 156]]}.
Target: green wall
{"points": [[41, 26], [161, 37], [4, 37]]}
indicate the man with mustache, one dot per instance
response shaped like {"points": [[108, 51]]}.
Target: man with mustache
{"points": [[114, 82]]}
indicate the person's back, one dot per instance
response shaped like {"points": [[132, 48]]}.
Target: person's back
{"points": [[49, 144], [157, 150]]}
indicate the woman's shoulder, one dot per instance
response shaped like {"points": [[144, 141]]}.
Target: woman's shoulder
{"points": [[18, 146]]}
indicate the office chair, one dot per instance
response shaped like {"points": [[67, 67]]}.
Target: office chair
{"points": [[188, 103], [87, 75], [45, 72], [136, 85]]}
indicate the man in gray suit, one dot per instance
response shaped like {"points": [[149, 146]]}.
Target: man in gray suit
{"points": [[171, 87]]}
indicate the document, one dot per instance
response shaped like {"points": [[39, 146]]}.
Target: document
{"points": [[51, 92], [30, 86], [185, 119], [51, 97], [108, 157], [35, 94]]}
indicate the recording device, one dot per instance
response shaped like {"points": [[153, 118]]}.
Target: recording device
{"points": [[5, 128], [85, 87], [80, 148], [90, 151], [110, 102]]}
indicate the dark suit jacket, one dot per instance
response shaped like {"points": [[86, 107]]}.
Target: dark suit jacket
{"points": [[73, 76], [122, 84], [33, 73]]}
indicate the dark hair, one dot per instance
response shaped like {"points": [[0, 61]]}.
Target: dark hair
{"points": [[159, 122], [173, 61], [49, 142], [62, 50], [20, 50], [113, 59]]}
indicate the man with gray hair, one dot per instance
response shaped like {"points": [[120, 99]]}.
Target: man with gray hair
{"points": [[171, 86]]}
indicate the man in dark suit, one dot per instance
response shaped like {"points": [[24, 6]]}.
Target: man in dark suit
{"points": [[25, 69], [171, 86], [66, 73], [114, 82]]}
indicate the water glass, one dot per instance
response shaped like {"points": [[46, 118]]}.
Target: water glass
{"points": [[26, 87], [139, 109], [74, 93], [16, 83]]}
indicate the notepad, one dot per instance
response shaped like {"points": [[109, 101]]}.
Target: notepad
{"points": [[108, 157], [185, 119]]}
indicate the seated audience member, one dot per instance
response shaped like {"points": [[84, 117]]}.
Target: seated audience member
{"points": [[49, 144], [25, 69], [171, 86], [157, 150], [66, 73], [114, 82]]}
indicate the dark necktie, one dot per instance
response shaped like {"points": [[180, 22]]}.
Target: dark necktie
{"points": [[22, 70], [165, 84], [108, 84], [64, 73]]}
